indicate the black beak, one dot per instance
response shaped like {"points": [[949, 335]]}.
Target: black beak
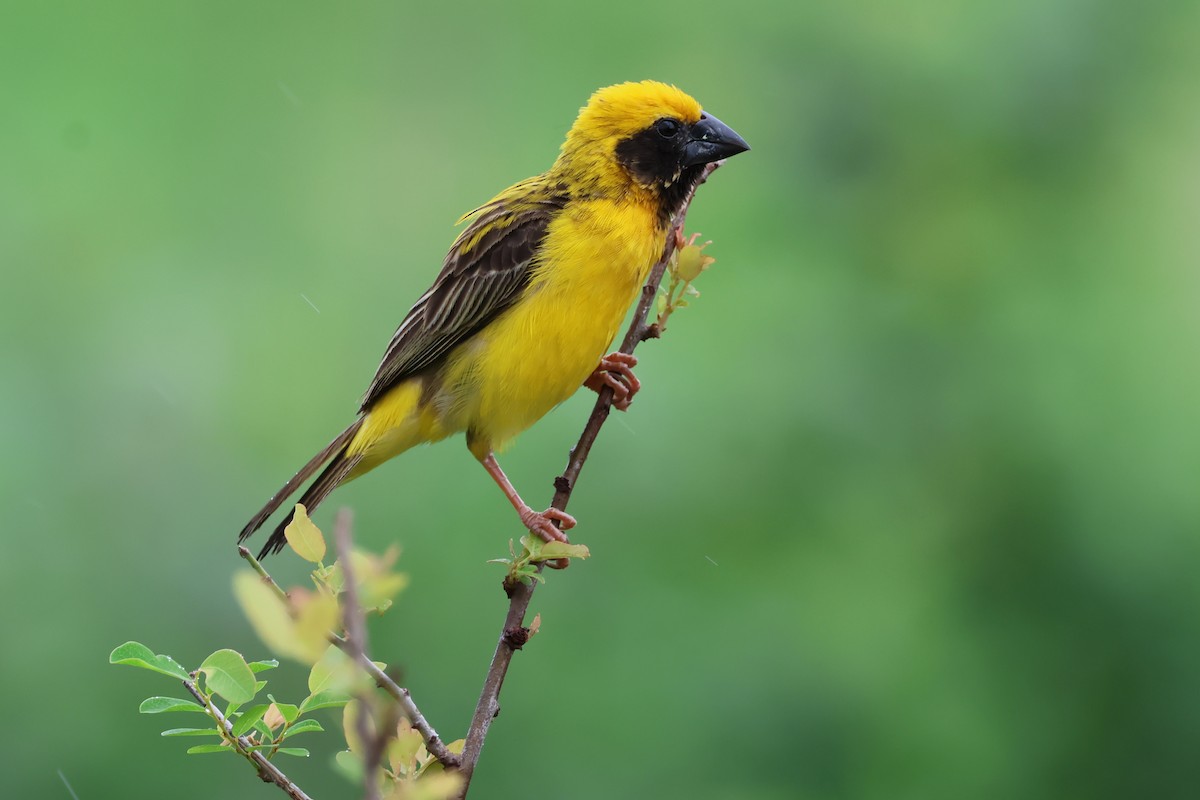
{"points": [[711, 140]]}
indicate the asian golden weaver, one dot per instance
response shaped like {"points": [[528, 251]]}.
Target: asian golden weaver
{"points": [[530, 297]]}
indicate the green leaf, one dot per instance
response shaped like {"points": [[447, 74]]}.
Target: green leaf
{"points": [[315, 620], [350, 726], [563, 550], [293, 751], [323, 700], [272, 748], [247, 719], [232, 707], [692, 261], [382, 608], [157, 705], [377, 583], [304, 537], [136, 654], [332, 577], [333, 672], [228, 674], [437, 785], [191, 732], [402, 751], [324, 673], [288, 711], [210, 748], [530, 572], [304, 726], [260, 666], [269, 617]]}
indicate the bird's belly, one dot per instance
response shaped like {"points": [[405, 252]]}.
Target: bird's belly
{"points": [[537, 356], [539, 352]]}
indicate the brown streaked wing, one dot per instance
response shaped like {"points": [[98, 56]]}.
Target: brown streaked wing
{"points": [[470, 291]]}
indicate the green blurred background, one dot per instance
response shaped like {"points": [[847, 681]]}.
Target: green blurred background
{"points": [[907, 509]]}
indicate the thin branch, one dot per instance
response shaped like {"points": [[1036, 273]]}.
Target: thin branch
{"points": [[433, 742], [356, 643], [262, 571], [352, 617], [266, 770], [514, 634]]}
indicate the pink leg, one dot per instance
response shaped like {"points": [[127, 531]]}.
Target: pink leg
{"points": [[616, 372], [540, 523]]}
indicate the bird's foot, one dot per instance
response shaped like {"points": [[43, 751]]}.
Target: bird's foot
{"points": [[542, 525], [616, 372]]}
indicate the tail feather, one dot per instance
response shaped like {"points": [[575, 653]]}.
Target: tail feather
{"points": [[334, 453], [313, 496]]}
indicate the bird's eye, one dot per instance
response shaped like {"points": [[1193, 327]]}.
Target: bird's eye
{"points": [[667, 128]]}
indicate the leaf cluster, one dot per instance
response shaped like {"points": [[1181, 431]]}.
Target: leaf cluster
{"points": [[406, 760], [686, 264], [303, 625], [526, 565], [226, 675]]}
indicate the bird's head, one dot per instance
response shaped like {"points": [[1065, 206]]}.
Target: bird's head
{"points": [[649, 135]]}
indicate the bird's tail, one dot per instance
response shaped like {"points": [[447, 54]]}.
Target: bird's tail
{"points": [[339, 466]]}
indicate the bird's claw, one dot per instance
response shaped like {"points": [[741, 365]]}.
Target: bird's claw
{"points": [[542, 523], [616, 372]]}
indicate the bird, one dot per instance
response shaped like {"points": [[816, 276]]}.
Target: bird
{"points": [[529, 298]]}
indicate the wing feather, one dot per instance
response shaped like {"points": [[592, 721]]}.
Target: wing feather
{"points": [[484, 273]]}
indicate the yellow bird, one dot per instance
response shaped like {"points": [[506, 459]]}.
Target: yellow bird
{"points": [[530, 297]]}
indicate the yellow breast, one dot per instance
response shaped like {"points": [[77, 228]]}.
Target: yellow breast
{"points": [[537, 354]]}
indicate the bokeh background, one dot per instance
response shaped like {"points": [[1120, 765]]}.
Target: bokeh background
{"points": [[907, 509]]}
